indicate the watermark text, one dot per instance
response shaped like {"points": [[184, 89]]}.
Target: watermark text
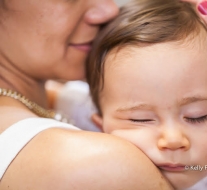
{"points": [[196, 167]]}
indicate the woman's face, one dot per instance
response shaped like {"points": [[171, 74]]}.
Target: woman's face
{"points": [[51, 38]]}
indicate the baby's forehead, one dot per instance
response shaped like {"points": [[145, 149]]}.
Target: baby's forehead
{"points": [[194, 46]]}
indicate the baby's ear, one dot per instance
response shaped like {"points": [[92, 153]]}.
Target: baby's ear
{"points": [[97, 120]]}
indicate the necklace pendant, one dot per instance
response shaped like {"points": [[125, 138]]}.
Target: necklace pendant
{"points": [[59, 117]]}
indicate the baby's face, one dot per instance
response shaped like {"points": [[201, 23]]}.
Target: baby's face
{"points": [[156, 98]]}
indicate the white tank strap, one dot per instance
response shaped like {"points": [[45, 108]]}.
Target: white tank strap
{"points": [[13, 139]]}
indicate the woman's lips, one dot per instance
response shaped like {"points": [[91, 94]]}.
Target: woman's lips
{"points": [[172, 168], [82, 47]]}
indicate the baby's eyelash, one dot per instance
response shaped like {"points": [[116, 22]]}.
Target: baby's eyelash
{"points": [[140, 120], [191, 120], [197, 120]]}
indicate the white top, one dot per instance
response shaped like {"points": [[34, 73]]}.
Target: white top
{"points": [[13, 139]]}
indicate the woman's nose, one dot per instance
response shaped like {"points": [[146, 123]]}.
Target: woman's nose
{"points": [[101, 12], [173, 139]]}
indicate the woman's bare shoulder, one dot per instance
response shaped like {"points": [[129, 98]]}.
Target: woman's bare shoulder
{"points": [[65, 159]]}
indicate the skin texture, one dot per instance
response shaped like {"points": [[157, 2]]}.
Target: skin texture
{"points": [[49, 44], [46, 39], [162, 109]]}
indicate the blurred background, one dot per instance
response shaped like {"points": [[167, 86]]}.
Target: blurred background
{"points": [[81, 107], [121, 2]]}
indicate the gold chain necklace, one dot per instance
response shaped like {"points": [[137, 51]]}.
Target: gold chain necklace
{"points": [[38, 110]]}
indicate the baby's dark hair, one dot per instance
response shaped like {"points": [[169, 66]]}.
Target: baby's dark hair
{"points": [[141, 23]]}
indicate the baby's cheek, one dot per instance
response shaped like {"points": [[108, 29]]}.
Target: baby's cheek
{"points": [[129, 135]]}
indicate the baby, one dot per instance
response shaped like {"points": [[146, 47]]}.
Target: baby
{"points": [[148, 79]]}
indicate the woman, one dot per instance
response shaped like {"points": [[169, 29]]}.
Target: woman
{"points": [[50, 39]]}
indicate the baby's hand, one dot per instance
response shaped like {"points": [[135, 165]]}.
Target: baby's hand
{"points": [[202, 8]]}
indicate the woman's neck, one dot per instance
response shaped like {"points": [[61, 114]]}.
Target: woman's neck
{"points": [[15, 80]]}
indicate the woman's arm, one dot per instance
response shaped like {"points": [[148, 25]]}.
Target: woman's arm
{"points": [[76, 160]]}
